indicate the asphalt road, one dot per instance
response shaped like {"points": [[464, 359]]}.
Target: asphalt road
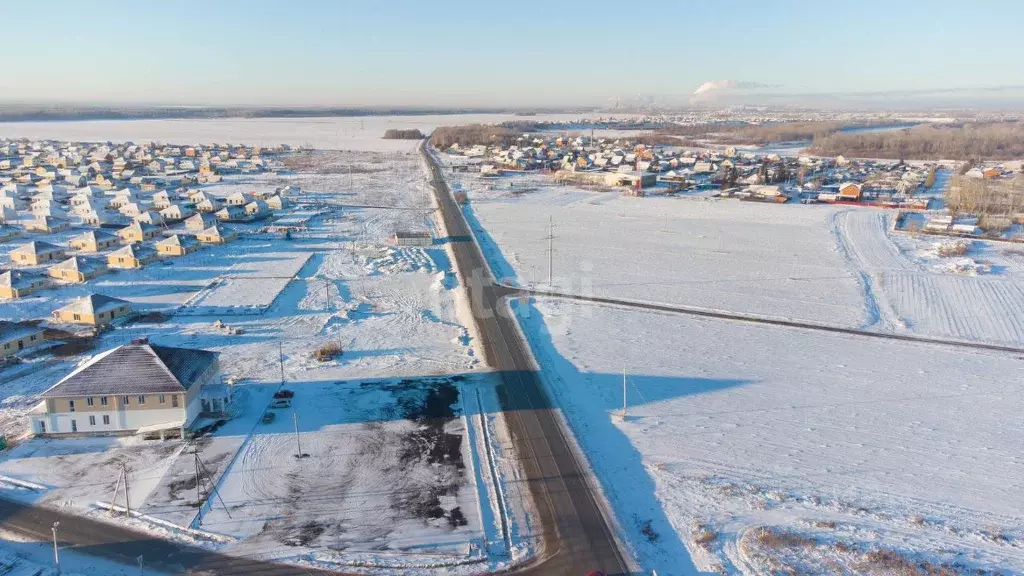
{"points": [[577, 537], [96, 538]]}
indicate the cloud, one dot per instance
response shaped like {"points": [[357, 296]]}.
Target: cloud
{"points": [[731, 85]]}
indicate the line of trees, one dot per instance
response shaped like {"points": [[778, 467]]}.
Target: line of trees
{"points": [[396, 134], [990, 141], [979, 196], [445, 137]]}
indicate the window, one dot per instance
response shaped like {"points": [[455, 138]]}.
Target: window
{"points": [[174, 400], [7, 346], [89, 401], [106, 419], [42, 427], [142, 399], [103, 400], [76, 316], [33, 337], [161, 399], [124, 400], [74, 425], [92, 420], [71, 405]]}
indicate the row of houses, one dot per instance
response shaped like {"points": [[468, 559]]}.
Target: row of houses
{"points": [[77, 269]]}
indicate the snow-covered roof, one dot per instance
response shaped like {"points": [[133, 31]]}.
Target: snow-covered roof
{"points": [[93, 304], [36, 247], [135, 369], [79, 263], [14, 330]]}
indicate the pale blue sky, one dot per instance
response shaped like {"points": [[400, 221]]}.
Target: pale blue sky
{"points": [[462, 52]]}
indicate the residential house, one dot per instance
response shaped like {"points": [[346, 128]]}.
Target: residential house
{"points": [[36, 253], [208, 204], [78, 269], [17, 336], [850, 191], [149, 217], [101, 218], [93, 241], [47, 207], [256, 208], [92, 310], [230, 213], [20, 283], [123, 198], [131, 209], [134, 388], [216, 235], [176, 212], [131, 256], [200, 222], [239, 199], [277, 202], [8, 233], [47, 224], [137, 232], [161, 200], [178, 245], [83, 205]]}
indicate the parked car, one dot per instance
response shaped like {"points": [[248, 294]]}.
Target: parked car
{"points": [[284, 394], [281, 403], [268, 417]]}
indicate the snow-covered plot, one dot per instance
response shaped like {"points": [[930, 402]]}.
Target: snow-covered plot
{"points": [[743, 257], [384, 469], [831, 265], [853, 450], [935, 299], [250, 285]]}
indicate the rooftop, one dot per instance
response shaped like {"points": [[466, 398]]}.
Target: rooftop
{"points": [[139, 368]]}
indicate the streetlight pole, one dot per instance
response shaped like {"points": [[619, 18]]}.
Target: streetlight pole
{"points": [[56, 554]]}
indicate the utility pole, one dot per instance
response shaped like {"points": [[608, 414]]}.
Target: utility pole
{"points": [[127, 502], [56, 554], [298, 442], [624, 393], [199, 498], [280, 359], [142, 567], [551, 249]]}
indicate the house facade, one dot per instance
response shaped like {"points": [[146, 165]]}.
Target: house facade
{"points": [[131, 256], [17, 336], [36, 253], [78, 269], [92, 310], [18, 284], [134, 388]]}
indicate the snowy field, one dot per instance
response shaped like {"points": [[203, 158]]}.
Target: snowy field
{"points": [[838, 446], [830, 265], [398, 314], [343, 133]]}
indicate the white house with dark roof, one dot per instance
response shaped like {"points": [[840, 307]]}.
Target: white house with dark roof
{"points": [[134, 388]]}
